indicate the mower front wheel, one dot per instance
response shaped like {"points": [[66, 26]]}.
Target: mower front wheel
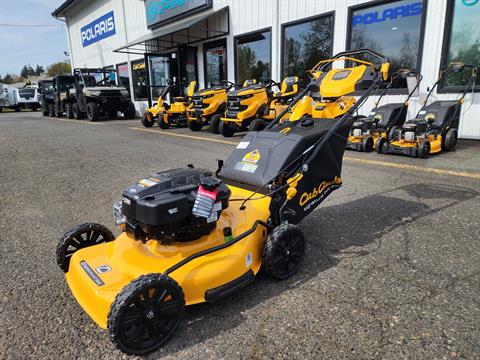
{"points": [[195, 125], [215, 123], [379, 145], [283, 251], [162, 124], [225, 129], [423, 149], [147, 120], [367, 144], [257, 125], [145, 313], [81, 236]]}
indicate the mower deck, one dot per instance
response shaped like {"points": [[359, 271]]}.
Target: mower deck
{"points": [[98, 273]]}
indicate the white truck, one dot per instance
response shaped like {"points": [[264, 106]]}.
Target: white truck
{"points": [[9, 98]]}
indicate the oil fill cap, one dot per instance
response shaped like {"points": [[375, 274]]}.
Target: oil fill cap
{"points": [[210, 183]]}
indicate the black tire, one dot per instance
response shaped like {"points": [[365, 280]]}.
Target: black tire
{"points": [[77, 114], [145, 314], [367, 144], [146, 122], [130, 112], [215, 123], [69, 110], [58, 112], [17, 108], [194, 125], [379, 145], [162, 124], [79, 237], [112, 114], [423, 150], [451, 138], [51, 110], [283, 251], [92, 111], [392, 132], [257, 125], [225, 129], [45, 111]]}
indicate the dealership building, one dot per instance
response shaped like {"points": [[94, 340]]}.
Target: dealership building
{"points": [[149, 41]]}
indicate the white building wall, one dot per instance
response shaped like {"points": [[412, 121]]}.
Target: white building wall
{"points": [[251, 15]]}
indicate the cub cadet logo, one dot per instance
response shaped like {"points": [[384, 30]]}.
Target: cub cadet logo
{"points": [[138, 66], [98, 29], [388, 14], [308, 196]]}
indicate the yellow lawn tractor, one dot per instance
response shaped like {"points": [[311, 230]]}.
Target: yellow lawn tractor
{"points": [[191, 235], [435, 128], [209, 106], [251, 105], [366, 130], [176, 113]]}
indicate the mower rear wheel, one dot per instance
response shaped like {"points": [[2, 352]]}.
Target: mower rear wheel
{"points": [[145, 314], [367, 144], [92, 111], [283, 251], [451, 138], [423, 149], [215, 123], [162, 124], [147, 120], [225, 129], [81, 236], [257, 125], [379, 145], [194, 125]]}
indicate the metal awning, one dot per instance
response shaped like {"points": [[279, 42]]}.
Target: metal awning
{"points": [[205, 26]]}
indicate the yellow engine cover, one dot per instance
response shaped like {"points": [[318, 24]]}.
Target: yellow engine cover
{"points": [[128, 259]]}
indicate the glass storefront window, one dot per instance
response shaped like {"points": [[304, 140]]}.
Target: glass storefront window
{"points": [[159, 73], [123, 79], [253, 52], [305, 43], [393, 29], [462, 40], [139, 79], [215, 59]]}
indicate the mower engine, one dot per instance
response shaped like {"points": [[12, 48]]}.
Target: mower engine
{"points": [[174, 205]]}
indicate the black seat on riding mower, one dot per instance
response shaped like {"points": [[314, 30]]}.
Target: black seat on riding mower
{"points": [[189, 91], [288, 88]]}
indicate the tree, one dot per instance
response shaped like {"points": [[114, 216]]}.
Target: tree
{"points": [[39, 70], [30, 71], [59, 68], [24, 72], [8, 79]]}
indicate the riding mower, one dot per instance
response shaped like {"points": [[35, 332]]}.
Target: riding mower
{"points": [[192, 235], [435, 128], [175, 113], [249, 105], [208, 107], [366, 130]]}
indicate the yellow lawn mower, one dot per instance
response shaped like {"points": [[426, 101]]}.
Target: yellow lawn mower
{"points": [[209, 106], [366, 130], [167, 114], [435, 128], [192, 235]]}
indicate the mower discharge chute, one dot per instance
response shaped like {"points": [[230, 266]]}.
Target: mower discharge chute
{"points": [[192, 235], [366, 130], [208, 107], [175, 113], [435, 128]]}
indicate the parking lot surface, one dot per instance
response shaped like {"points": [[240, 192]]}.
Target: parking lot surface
{"points": [[391, 268]]}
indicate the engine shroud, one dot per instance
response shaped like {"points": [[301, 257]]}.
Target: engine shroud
{"points": [[160, 207]]}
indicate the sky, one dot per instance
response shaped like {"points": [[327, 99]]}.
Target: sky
{"points": [[32, 45]]}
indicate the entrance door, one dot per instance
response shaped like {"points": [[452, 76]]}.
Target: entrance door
{"points": [[161, 68], [215, 62]]}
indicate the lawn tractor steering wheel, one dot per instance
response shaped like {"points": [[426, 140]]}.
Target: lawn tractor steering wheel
{"points": [[227, 84], [268, 83]]}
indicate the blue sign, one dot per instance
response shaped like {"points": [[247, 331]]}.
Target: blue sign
{"points": [[388, 14], [99, 29], [163, 11]]}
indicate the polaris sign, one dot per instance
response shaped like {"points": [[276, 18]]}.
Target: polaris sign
{"points": [[388, 14], [99, 29]]}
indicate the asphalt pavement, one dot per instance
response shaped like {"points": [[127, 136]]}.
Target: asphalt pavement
{"points": [[391, 268]]}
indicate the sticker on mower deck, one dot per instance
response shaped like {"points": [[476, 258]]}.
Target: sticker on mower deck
{"points": [[91, 274], [252, 157], [243, 144], [247, 167], [147, 182], [102, 269]]}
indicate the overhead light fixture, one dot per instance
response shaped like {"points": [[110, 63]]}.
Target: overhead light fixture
{"points": [[394, 28]]}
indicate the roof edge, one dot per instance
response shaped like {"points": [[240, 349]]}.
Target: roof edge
{"points": [[60, 10]]}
